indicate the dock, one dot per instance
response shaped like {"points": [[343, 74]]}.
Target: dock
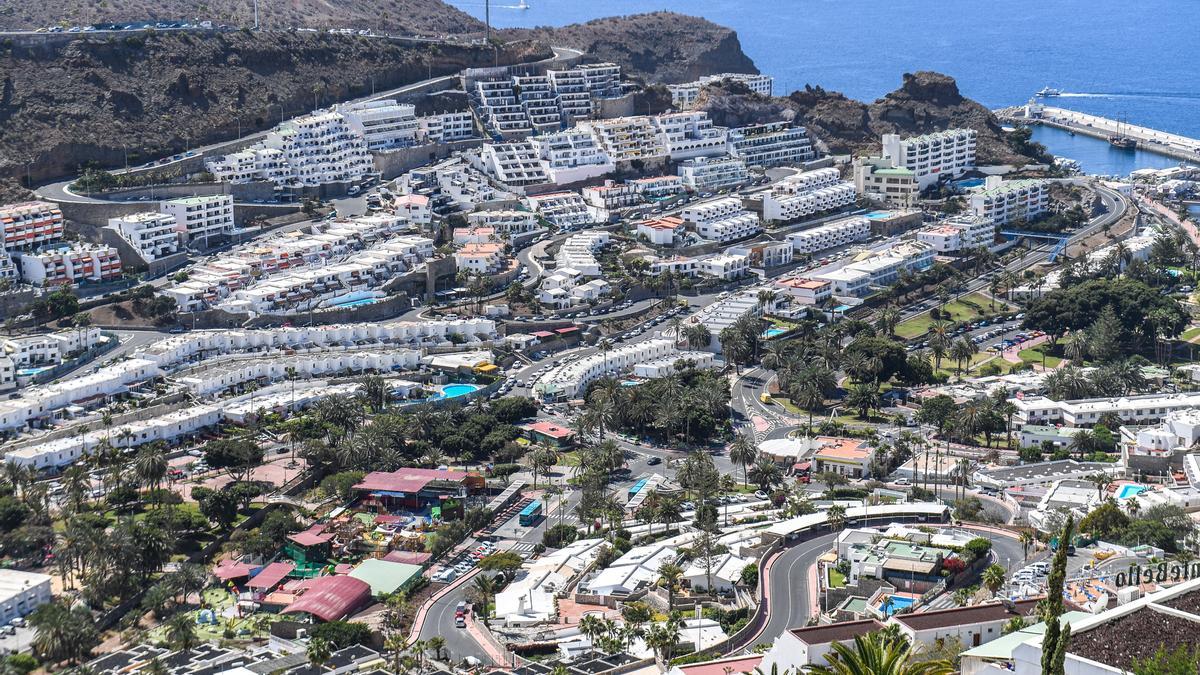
{"points": [[1150, 140]]}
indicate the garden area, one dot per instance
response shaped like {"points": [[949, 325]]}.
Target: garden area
{"points": [[970, 307]]}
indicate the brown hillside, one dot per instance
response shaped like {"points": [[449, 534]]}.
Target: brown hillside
{"points": [[408, 16], [657, 47]]}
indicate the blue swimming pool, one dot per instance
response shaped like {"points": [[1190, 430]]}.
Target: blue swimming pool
{"points": [[879, 215], [456, 390], [894, 604], [773, 332], [1130, 490], [356, 303], [969, 183]]}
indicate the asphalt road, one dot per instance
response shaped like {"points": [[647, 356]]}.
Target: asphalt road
{"points": [[439, 620], [790, 596]]}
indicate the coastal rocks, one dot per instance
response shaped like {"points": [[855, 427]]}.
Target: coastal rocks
{"points": [[656, 47]]}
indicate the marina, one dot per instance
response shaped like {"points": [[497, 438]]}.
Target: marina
{"points": [[1118, 133]]}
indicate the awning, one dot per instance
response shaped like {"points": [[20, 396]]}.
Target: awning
{"points": [[271, 575]]}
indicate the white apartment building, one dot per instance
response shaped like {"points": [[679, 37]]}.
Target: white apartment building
{"points": [[50, 348], [570, 156], [612, 195], [876, 178], [771, 144], [566, 288], [42, 402], [516, 164], [571, 378], [310, 150], [784, 205], [705, 174], [960, 233], [766, 254], [627, 138], [200, 218], [677, 265], [1133, 410], [847, 282], [806, 291], [152, 234], [932, 157], [535, 95], [30, 225], [217, 376], [446, 127], [687, 135], [67, 265], [481, 258], [1004, 202], [383, 124], [22, 592], [881, 268], [727, 266], [831, 235], [578, 252], [712, 209], [505, 223], [500, 109], [413, 208], [562, 209], [685, 95], [516, 105], [661, 231], [453, 184], [724, 313], [658, 187], [730, 228]]}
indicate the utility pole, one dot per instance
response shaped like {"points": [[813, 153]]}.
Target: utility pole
{"points": [[487, 17], [255, 14]]}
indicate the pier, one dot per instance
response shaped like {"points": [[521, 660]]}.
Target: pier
{"points": [[1150, 140]]}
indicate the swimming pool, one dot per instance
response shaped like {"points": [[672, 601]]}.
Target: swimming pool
{"points": [[456, 390], [969, 183], [878, 215], [1130, 490], [356, 303], [894, 604], [772, 332]]}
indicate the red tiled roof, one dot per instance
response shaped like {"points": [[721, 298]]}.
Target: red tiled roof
{"points": [[549, 429], [331, 598], [542, 334], [228, 570], [271, 575], [406, 480], [740, 664], [313, 536], [568, 329], [407, 557]]}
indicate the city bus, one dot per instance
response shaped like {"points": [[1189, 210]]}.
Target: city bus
{"points": [[530, 514]]}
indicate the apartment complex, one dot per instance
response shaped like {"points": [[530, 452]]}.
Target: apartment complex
{"points": [[153, 235], [721, 219], [661, 231], [932, 157], [311, 150], [612, 195], [200, 218], [70, 264], [878, 269], [687, 135], [506, 224], [571, 378], [1133, 410], [571, 155], [684, 95], [578, 252], [483, 258], [386, 124], [515, 106], [29, 225], [726, 266], [705, 174], [1004, 202], [877, 178], [831, 235], [516, 164], [771, 144], [625, 139], [807, 194], [805, 291], [562, 209], [959, 233]]}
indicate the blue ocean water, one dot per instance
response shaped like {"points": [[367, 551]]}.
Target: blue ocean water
{"points": [[1110, 57]]}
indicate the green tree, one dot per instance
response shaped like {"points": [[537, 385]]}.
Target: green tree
{"points": [[1058, 634], [872, 654], [181, 632]]}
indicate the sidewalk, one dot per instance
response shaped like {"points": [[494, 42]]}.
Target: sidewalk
{"points": [[419, 619]]}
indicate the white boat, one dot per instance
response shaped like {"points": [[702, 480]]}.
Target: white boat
{"points": [[1049, 91], [521, 5]]}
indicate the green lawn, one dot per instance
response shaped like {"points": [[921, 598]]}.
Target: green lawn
{"points": [[1035, 354], [1190, 334], [977, 360], [836, 578], [963, 309]]}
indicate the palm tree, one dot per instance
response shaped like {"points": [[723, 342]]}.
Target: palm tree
{"points": [[150, 465], [1102, 481], [540, 461], [319, 651], [864, 398], [662, 639], [697, 336], [591, 626], [668, 577], [836, 517], [872, 654], [485, 586], [1026, 538], [887, 319], [993, 579], [742, 451], [181, 632], [962, 350], [604, 347], [766, 474], [1082, 442], [939, 342], [436, 643]]}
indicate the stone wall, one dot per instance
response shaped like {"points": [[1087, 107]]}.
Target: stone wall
{"points": [[392, 163]]}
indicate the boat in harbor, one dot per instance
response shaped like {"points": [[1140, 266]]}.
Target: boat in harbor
{"points": [[1119, 139], [1046, 92]]}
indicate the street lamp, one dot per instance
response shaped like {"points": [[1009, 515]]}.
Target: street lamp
{"points": [[126, 149]]}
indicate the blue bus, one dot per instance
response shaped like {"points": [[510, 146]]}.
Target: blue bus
{"points": [[530, 514], [637, 487]]}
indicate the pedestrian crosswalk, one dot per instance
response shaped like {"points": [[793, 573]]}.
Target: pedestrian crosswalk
{"points": [[523, 548]]}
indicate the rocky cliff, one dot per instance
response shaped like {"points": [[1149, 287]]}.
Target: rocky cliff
{"points": [[656, 47], [406, 16], [926, 101], [93, 99]]}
